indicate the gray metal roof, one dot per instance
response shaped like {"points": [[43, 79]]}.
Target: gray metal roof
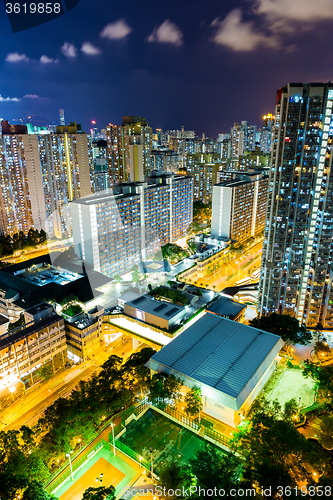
{"points": [[218, 352], [226, 307]]}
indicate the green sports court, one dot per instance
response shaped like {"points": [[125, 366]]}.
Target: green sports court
{"points": [[169, 439]]}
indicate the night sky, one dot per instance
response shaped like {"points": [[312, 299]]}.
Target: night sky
{"points": [[199, 63]]}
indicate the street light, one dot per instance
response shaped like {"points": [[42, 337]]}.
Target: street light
{"points": [[114, 444], [80, 443], [151, 462], [100, 479], [140, 458], [70, 463]]}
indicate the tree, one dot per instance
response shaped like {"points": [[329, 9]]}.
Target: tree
{"points": [[35, 491], [164, 387], [322, 349], [16, 324], [20, 462], [287, 327], [135, 274], [101, 493], [46, 371], [173, 476], [42, 236], [193, 402], [275, 452], [323, 376], [326, 431], [214, 469]]}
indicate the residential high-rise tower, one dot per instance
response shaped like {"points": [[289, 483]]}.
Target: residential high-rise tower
{"points": [[296, 273]]}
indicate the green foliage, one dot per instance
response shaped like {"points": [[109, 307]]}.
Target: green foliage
{"points": [[20, 462], [16, 324], [326, 431], [193, 401], [275, 452], [101, 493], [202, 211], [173, 253], [322, 349], [70, 299], [35, 491], [214, 469], [165, 387], [46, 371], [72, 309], [323, 375], [136, 275], [173, 476], [169, 293], [8, 244], [287, 327]]}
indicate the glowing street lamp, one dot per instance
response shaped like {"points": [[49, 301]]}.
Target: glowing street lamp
{"points": [[70, 463], [114, 444], [151, 462]]}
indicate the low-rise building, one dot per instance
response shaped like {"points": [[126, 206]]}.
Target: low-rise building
{"points": [[228, 308], [228, 361], [155, 312], [24, 349]]}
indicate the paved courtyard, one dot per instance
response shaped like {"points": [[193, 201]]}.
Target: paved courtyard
{"points": [[292, 385]]}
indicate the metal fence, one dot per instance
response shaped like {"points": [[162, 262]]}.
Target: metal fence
{"points": [[62, 476], [59, 476], [132, 454]]}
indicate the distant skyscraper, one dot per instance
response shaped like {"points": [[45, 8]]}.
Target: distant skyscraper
{"points": [[266, 133], [62, 117], [128, 150], [205, 170], [296, 274], [119, 228], [137, 147], [243, 138], [40, 174]]}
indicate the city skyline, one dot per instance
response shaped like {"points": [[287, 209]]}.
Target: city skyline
{"points": [[203, 68]]}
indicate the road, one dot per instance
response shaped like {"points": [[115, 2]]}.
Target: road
{"points": [[37, 252], [28, 409], [228, 274]]}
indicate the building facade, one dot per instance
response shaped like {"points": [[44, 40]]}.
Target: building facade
{"points": [[296, 273], [128, 150], [115, 230], [25, 349], [205, 170], [40, 174], [239, 206]]}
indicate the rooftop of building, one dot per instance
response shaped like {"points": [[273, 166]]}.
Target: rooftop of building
{"points": [[224, 306], [242, 178], [161, 309], [44, 306], [13, 281], [218, 352], [23, 332]]}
